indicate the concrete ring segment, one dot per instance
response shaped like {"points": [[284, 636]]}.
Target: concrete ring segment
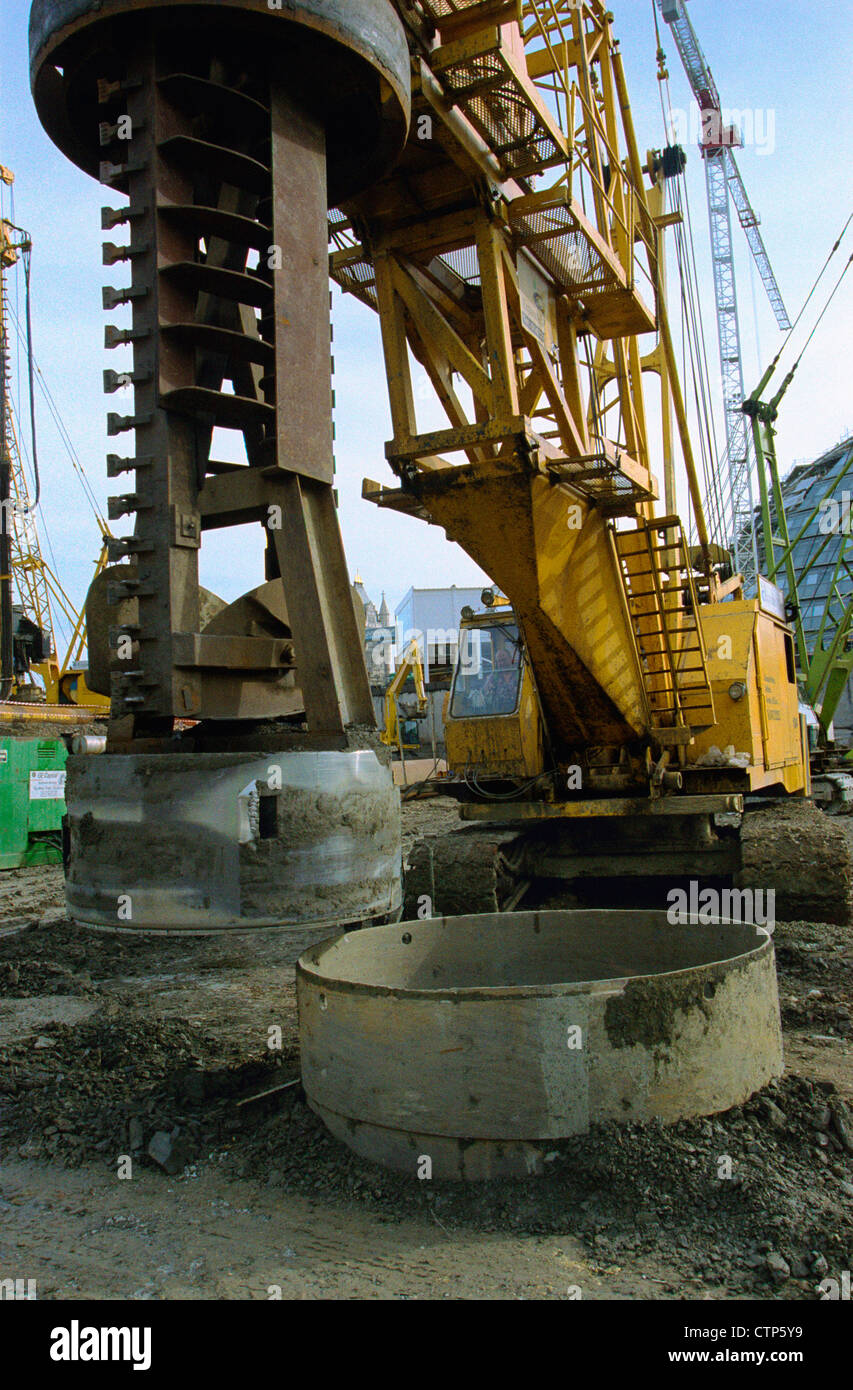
{"points": [[346, 61], [216, 841], [475, 1043]]}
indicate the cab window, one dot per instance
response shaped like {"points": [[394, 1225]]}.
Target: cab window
{"points": [[488, 672]]}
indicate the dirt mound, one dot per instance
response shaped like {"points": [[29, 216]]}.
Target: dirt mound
{"points": [[715, 1198], [108, 1085], [723, 1200], [168, 1062], [801, 854]]}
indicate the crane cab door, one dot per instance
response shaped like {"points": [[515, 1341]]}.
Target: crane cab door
{"points": [[751, 665]]}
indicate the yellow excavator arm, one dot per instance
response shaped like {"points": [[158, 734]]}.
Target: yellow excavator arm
{"points": [[410, 665]]}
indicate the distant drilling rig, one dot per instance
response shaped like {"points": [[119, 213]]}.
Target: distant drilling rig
{"points": [[226, 130]]}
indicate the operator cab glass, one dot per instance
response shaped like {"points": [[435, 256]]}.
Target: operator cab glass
{"points": [[488, 672]]}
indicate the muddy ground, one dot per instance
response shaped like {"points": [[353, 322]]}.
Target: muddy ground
{"points": [[116, 1049]]}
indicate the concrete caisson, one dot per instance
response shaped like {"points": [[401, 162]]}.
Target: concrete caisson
{"points": [[207, 842], [478, 1041]]}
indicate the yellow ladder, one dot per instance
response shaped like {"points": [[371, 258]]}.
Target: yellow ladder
{"points": [[661, 602]]}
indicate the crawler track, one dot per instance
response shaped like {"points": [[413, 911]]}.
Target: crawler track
{"points": [[467, 871], [790, 847]]}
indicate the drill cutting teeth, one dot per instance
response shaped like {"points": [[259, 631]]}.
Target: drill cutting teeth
{"points": [[110, 173], [112, 254], [113, 299], [118, 217], [108, 91], [119, 337], [117, 424], [116, 465], [117, 381], [122, 547], [122, 506]]}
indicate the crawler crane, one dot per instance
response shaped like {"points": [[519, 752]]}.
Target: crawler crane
{"points": [[516, 252]]}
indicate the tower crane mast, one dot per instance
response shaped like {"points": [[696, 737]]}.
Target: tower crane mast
{"points": [[26, 632], [724, 185], [30, 592]]}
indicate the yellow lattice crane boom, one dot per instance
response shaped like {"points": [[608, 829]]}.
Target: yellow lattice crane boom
{"points": [[28, 586], [25, 626]]}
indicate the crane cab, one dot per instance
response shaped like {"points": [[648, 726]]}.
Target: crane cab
{"points": [[493, 723]]}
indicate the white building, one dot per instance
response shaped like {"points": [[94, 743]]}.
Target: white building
{"points": [[432, 617]]}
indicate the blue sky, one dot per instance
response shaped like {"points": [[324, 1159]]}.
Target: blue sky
{"points": [[771, 56]]}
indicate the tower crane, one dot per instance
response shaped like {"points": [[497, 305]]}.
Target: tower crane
{"points": [[725, 185], [29, 589], [26, 627]]}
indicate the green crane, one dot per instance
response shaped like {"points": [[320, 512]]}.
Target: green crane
{"points": [[827, 666]]}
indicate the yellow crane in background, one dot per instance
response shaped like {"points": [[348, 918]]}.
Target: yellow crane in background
{"points": [[29, 588], [410, 665]]}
